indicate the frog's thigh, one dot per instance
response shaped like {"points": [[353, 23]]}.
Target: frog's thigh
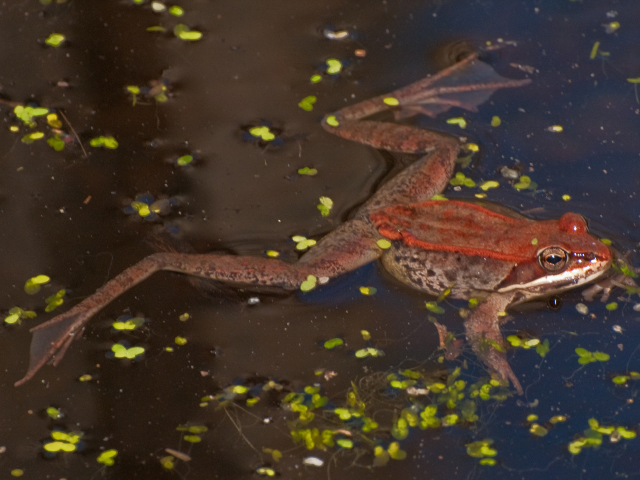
{"points": [[351, 245], [418, 182]]}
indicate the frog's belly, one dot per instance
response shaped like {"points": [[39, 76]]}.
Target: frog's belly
{"points": [[433, 272]]}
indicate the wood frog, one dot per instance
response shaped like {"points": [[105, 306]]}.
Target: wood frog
{"points": [[430, 245]]}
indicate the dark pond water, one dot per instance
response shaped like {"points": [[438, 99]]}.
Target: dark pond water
{"points": [[61, 214]]}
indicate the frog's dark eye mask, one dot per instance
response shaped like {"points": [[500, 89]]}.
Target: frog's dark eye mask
{"points": [[553, 259]]}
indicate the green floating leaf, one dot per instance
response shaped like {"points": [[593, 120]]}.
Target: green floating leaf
{"points": [[106, 142], [334, 66], [56, 143], [107, 457], [433, 307], [129, 324], [120, 351], [306, 103], [32, 137], [55, 39], [369, 352], [176, 11], [32, 286], [16, 315], [309, 283], [54, 413], [461, 122], [183, 32], [461, 179], [184, 160], [263, 133], [54, 301], [325, 206], [620, 379], [333, 343], [307, 171]]}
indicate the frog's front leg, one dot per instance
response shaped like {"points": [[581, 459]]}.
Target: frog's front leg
{"points": [[350, 246], [483, 333]]}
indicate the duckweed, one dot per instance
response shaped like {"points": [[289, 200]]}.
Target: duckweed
{"points": [[32, 137], [555, 128], [495, 121], [307, 103], [33, 285], [333, 343], [16, 315], [592, 437], [585, 356], [307, 171], [368, 290], [525, 183], [332, 121], [63, 442], [482, 449], [54, 413], [309, 283], [325, 206], [461, 179], [433, 307], [383, 243], [262, 132], [266, 472], [180, 341], [461, 122], [107, 457], [26, 113], [334, 66], [55, 39], [392, 102], [54, 301], [489, 184], [184, 160], [102, 141], [120, 351], [56, 142], [183, 32], [126, 322], [369, 352], [168, 462], [176, 11]]}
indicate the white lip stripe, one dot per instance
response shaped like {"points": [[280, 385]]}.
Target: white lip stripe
{"points": [[576, 276]]}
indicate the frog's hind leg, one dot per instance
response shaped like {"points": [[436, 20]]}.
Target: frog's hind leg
{"points": [[350, 246], [421, 180]]}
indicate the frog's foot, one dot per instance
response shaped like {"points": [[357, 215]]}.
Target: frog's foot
{"points": [[452, 347], [51, 339], [604, 287], [483, 333], [467, 84]]}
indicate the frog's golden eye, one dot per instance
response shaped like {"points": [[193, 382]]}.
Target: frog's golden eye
{"points": [[553, 259]]}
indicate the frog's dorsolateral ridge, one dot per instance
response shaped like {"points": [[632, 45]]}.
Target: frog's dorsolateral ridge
{"points": [[435, 245]]}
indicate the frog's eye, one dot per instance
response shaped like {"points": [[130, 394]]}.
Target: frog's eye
{"points": [[553, 259]]}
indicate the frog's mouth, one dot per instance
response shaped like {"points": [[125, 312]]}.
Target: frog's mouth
{"points": [[577, 273]]}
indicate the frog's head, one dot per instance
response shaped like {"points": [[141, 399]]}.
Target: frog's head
{"points": [[567, 256]]}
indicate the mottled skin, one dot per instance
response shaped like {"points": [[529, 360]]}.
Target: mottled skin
{"points": [[435, 245]]}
